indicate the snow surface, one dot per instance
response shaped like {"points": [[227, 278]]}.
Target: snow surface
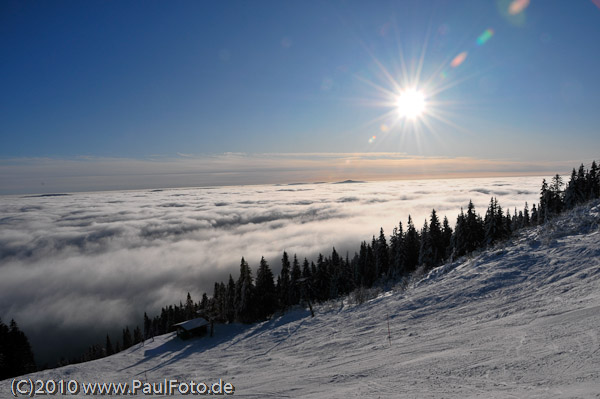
{"points": [[520, 320]]}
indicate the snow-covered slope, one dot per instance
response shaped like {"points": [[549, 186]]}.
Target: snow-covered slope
{"points": [[520, 320]]}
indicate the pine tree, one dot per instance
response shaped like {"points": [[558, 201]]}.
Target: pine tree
{"points": [[581, 187], [495, 223], [382, 255], [127, 339], [500, 222], [347, 284], [411, 246], [108, 347], [335, 273], [459, 238], [222, 302], [474, 229], [305, 269], [436, 241], [555, 194], [230, 312], [147, 327], [265, 291], [361, 266], [526, 220], [244, 294], [137, 335], [214, 313], [16, 356], [425, 249], [544, 199], [593, 181], [370, 265], [283, 288], [446, 238], [534, 216], [321, 279], [189, 307], [397, 251], [570, 192], [305, 283], [520, 222], [295, 276], [491, 224]]}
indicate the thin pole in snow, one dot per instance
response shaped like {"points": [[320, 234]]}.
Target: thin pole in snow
{"points": [[389, 333]]}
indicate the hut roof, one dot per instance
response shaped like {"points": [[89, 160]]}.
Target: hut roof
{"points": [[192, 324]]}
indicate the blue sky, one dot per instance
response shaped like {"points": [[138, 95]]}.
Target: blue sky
{"points": [[130, 80]]}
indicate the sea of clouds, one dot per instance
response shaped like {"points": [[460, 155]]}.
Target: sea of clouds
{"points": [[74, 267]]}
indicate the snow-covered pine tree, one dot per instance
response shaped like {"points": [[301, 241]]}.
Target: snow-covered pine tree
{"points": [[244, 295]]}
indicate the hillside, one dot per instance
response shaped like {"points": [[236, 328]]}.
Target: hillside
{"points": [[519, 320]]}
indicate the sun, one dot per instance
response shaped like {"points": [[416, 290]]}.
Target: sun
{"points": [[411, 104]]}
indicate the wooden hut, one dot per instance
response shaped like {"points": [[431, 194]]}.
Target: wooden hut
{"points": [[192, 328]]}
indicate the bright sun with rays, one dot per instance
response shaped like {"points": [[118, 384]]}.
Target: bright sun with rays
{"points": [[411, 104]]}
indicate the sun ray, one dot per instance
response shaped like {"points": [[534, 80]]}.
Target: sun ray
{"points": [[376, 86], [418, 96], [423, 52], [436, 115], [381, 67], [404, 70], [456, 82]]}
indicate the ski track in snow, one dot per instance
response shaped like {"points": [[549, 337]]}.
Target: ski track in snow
{"points": [[518, 321]]}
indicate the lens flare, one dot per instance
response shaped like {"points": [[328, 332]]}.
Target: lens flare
{"points": [[459, 59], [485, 36], [372, 139], [517, 6]]}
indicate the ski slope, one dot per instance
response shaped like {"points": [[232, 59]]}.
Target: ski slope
{"points": [[520, 320]]}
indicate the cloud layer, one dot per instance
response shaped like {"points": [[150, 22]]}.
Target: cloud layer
{"points": [[42, 175], [73, 267]]}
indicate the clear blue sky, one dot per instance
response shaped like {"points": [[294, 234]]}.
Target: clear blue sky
{"points": [[139, 79]]}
